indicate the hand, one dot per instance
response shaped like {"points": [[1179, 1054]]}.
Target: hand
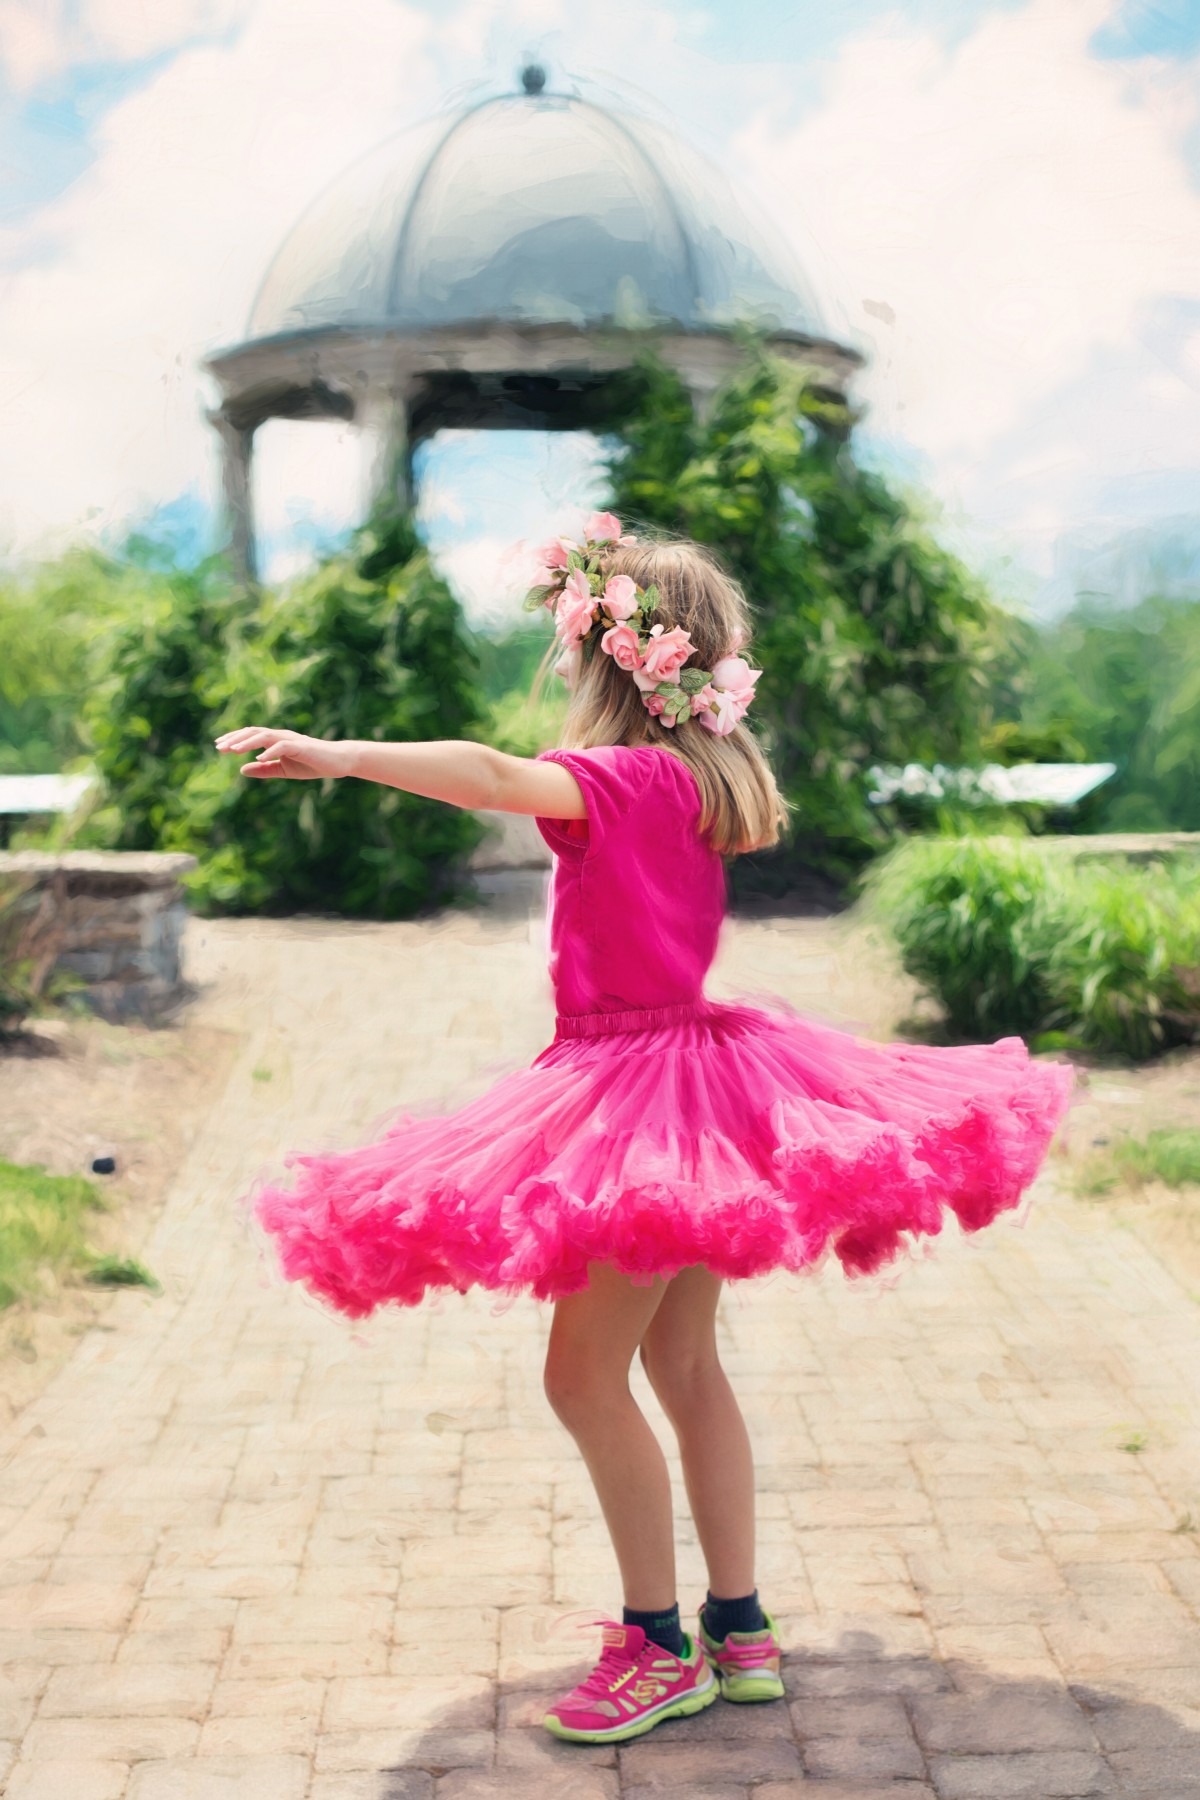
{"points": [[287, 754]]}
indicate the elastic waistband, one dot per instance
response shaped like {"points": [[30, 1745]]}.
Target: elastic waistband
{"points": [[641, 1018]]}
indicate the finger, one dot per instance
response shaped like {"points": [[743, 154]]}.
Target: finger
{"points": [[274, 751], [246, 737], [259, 739]]}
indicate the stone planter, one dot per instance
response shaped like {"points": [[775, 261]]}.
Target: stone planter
{"points": [[513, 842], [115, 919]]}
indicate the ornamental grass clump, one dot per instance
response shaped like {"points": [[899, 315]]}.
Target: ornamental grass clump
{"points": [[971, 916], [1123, 968], [1008, 936]]}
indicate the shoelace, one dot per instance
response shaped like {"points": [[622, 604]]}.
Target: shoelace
{"points": [[614, 1662]]}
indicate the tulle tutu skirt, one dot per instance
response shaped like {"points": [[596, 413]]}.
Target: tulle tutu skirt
{"points": [[745, 1139]]}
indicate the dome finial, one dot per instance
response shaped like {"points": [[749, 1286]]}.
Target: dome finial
{"points": [[533, 78]]}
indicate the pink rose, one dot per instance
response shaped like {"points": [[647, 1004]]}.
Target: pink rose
{"points": [[602, 528], [734, 678], [733, 689], [620, 598], [723, 715], [654, 704], [554, 554], [735, 674], [622, 644], [705, 698], [576, 608], [666, 652]]}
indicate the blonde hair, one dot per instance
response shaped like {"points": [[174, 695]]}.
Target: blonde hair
{"points": [[741, 806]]}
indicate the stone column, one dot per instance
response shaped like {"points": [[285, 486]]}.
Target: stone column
{"points": [[237, 443], [384, 413], [702, 363], [703, 394]]}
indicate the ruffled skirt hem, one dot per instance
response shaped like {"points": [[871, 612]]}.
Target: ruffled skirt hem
{"points": [[745, 1140]]}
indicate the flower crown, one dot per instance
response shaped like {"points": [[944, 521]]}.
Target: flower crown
{"points": [[590, 607]]}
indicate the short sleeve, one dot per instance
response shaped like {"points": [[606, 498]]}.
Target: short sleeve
{"points": [[613, 778]]}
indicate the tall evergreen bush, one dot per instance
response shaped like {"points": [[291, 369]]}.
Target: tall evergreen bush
{"points": [[370, 644]]}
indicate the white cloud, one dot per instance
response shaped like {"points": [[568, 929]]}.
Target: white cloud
{"points": [[40, 38], [1007, 223], [1020, 206], [157, 250], [485, 574]]}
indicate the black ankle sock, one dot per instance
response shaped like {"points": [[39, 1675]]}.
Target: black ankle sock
{"points": [[662, 1628], [723, 1616]]}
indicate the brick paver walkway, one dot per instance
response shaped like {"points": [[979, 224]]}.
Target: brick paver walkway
{"points": [[251, 1552]]}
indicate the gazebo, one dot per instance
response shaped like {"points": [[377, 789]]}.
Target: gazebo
{"points": [[502, 266]]}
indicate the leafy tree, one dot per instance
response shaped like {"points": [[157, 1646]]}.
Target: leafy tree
{"points": [[52, 627], [508, 661], [1126, 684], [874, 641]]}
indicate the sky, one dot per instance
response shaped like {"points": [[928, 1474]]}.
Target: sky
{"points": [[1000, 201]]}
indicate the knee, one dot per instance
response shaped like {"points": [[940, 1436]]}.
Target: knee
{"points": [[578, 1384], [682, 1376]]}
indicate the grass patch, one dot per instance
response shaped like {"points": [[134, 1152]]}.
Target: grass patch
{"points": [[43, 1231], [1170, 1156]]}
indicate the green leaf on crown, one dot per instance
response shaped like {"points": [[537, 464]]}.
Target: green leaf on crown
{"points": [[692, 680], [677, 702], [536, 597], [650, 598]]}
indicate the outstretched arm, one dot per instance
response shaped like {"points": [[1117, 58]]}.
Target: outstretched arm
{"points": [[450, 769]]}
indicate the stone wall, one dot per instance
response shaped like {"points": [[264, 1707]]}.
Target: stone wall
{"points": [[115, 919], [1126, 846]]}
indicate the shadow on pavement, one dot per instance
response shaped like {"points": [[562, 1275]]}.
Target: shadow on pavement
{"points": [[857, 1725]]}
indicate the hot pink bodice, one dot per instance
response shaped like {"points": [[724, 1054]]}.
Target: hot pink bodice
{"points": [[637, 896]]}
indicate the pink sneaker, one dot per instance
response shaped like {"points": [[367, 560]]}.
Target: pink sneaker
{"points": [[633, 1686], [746, 1662]]}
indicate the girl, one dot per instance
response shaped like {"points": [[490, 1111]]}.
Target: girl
{"points": [[662, 1142]]}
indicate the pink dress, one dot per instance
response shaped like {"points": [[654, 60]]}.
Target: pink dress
{"points": [[661, 1129]]}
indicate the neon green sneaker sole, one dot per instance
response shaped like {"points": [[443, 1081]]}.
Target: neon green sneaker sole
{"points": [[646, 1721], [741, 1679]]}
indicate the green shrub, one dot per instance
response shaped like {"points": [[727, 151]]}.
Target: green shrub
{"points": [[369, 645], [1123, 958], [1009, 936], [970, 916]]}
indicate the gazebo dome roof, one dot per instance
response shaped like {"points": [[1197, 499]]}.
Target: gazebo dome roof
{"points": [[532, 209]]}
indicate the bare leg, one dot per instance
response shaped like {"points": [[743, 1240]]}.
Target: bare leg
{"points": [[593, 1340], [679, 1351]]}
